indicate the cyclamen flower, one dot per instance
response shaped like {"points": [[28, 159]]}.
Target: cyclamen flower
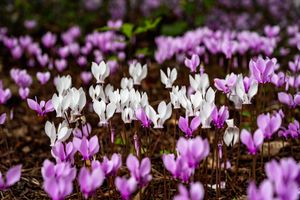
{"points": [[43, 78], [184, 126], [58, 179], [85, 131], [21, 77], [262, 70], [196, 192], [105, 112], [5, 94], [62, 134], [288, 99], [192, 63], [86, 77], [269, 124], [24, 93], [231, 135], [126, 186], [49, 39], [137, 72], [169, 78], [164, 112], [100, 71], [12, 176], [41, 108], [140, 171], [87, 148], [110, 167], [219, 117], [252, 143], [225, 85], [2, 118], [264, 192], [142, 117], [90, 179], [42, 59], [63, 152], [200, 82]]}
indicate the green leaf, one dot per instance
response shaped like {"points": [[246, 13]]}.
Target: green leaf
{"points": [[147, 26], [104, 28], [246, 113], [119, 141], [145, 51], [174, 29], [127, 29]]}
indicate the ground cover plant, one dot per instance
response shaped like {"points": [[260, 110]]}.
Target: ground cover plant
{"points": [[149, 100]]}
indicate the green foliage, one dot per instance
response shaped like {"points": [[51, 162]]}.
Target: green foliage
{"points": [[174, 29], [246, 113], [127, 29]]}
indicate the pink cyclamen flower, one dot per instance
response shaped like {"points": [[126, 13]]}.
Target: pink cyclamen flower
{"points": [[110, 167], [87, 148], [5, 94], [262, 69], [24, 93], [196, 192], [90, 179], [63, 152], [58, 179], [140, 171], [192, 63], [12, 176], [43, 59], [2, 118], [264, 192], [184, 126], [219, 117], [41, 108], [269, 124], [85, 130], [141, 115], [49, 39], [43, 78], [288, 99], [86, 77], [60, 64], [225, 85], [252, 143], [126, 186]]}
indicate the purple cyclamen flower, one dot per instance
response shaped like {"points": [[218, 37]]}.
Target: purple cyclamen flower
{"points": [[30, 24], [264, 192], [285, 178], [87, 148], [294, 129], [63, 152], [12, 176], [126, 186], [194, 150], [110, 167], [269, 124], [86, 77], [60, 64], [49, 39], [16, 52], [196, 192], [58, 179], [85, 131], [192, 63], [141, 172], [43, 78], [2, 118], [24, 93], [90, 179], [115, 24], [188, 129], [271, 31], [252, 143], [278, 79], [41, 108], [141, 115], [179, 168], [219, 117], [42, 59], [288, 99], [262, 70], [21, 77], [5, 94], [225, 85]]}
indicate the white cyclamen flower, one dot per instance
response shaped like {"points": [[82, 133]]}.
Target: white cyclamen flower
{"points": [[231, 135], [100, 71], [62, 84], [105, 112], [168, 79], [164, 112], [137, 72], [62, 134]]}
